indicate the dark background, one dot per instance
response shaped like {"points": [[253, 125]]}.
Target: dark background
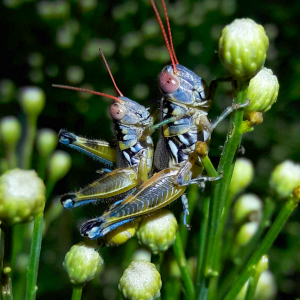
{"points": [[46, 42]]}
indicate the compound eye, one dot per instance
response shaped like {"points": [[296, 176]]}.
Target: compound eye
{"points": [[168, 83], [117, 111]]}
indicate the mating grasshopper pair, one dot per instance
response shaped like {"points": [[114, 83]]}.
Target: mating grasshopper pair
{"points": [[184, 104]]}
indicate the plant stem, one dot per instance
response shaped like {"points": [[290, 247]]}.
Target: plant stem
{"points": [[157, 260], [11, 157], [181, 260], [245, 252], [6, 257], [267, 242], [28, 142], [77, 292], [34, 257], [50, 186], [252, 283], [219, 192]]}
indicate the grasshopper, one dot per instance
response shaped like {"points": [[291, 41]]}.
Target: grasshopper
{"points": [[133, 127]]}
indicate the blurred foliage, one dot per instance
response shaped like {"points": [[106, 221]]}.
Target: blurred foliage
{"points": [[46, 42]]}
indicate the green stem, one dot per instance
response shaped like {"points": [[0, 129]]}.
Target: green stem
{"points": [[6, 257], [42, 166], [50, 186], [181, 260], [34, 257], [267, 242], [219, 192], [28, 142], [252, 283], [157, 260], [243, 255], [77, 292], [11, 157]]}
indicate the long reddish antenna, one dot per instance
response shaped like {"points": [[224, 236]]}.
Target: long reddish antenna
{"points": [[169, 29], [85, 90], [111, 76], [165, 36]]}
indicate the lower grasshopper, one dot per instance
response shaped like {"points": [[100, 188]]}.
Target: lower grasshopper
{"points": [[134, 155]]}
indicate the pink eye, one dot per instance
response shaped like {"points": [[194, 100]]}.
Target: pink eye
{"points": [[167, 82], [117, 111]]}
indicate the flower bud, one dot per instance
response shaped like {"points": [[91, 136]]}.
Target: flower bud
{"points": [[262, 92], [10, 130], [247, 207], [284, 178], [59, 165], [82, 262], [32, 100], [121, 234], [243, 48], [140, 281], [174, 269], [262, 265], [242, 176], [158, 231], [22, 196], [46, 141], [141, 254], [245, 233], [266, 287]]}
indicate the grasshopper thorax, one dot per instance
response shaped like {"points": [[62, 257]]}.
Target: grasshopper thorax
{"points": [[185, 87], [129, 112]]}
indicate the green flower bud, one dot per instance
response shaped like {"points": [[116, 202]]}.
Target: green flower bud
{"points": [[46, 141], [174, 270], [141, 254], [262, 92], [245, 233], [121, 234], [265, 290], [243, 48], [266, 287], [10, 130], [158, 231], [22, 196], [242, 176], [32, 100], [82, 262], [262, 265], [140, 281], [59, 165], [284, 178], [247, 207]]}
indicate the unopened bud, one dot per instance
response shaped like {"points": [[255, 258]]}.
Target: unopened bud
{"points": [[262, 92], [82, 262], [266, 288], [59, 164], [243, 48], [121, 234], [140, 281], [46, 141], [10, 130], [247, 207], [158, 231], [245, 233], [22, 196], [284, 178], [242, 176], [32, 100], [141, 254]]}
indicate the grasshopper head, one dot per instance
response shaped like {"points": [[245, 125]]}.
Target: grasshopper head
{"points": [[129, 112], [185, 87]]}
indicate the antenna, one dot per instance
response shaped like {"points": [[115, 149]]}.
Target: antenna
{"points": [[85, 90], [169, 29], [165, 36], [111, 76]]}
